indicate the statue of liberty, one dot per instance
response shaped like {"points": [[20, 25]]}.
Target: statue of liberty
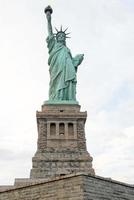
{"points": [[63, 67]]}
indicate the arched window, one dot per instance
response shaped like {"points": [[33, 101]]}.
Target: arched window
{"points": [[52, 129], [70, 130], [61, 129]]}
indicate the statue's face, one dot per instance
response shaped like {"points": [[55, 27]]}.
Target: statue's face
{"points": [[61, 37]]}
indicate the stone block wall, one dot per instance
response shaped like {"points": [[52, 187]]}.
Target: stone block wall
{"points": [[72, 187], [99, 188], [61, 143], [68, 188]]}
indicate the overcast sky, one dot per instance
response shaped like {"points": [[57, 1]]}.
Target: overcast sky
{"points": [[101, 29]]}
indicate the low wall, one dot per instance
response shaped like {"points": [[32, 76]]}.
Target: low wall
{"points": [[100, 188], [73, 187]]}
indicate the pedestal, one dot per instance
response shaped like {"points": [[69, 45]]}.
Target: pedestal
{"points": [[61, 147]]}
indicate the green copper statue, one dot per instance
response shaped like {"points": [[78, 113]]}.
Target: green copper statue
{"points": [[63, 67]]}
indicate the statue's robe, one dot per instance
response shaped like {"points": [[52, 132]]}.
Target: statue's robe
{"points": [[62, 71]]}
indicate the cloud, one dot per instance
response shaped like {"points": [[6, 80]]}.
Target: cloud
{"points": [[118, 158], [111, 137], [103, 31]]}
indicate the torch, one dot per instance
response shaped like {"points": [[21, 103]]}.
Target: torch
{"points": [[48, 10]]}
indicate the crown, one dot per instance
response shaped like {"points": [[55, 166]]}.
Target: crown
{"points": [[61, 31]]}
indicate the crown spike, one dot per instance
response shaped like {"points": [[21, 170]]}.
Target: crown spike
{"points": [[61, 28], [56, 29], [65, 30], [67, 33]]}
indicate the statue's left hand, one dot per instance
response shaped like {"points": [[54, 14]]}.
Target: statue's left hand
{"points": [[77, 60], [81, 57]]}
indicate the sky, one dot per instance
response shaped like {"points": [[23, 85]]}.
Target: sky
{"points": [[101, 29]]}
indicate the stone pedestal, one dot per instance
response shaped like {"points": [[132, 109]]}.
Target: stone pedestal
{"points": [[61, 147]]}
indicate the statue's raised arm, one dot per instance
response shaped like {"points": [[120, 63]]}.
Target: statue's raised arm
{"points": [[48, 11]]}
